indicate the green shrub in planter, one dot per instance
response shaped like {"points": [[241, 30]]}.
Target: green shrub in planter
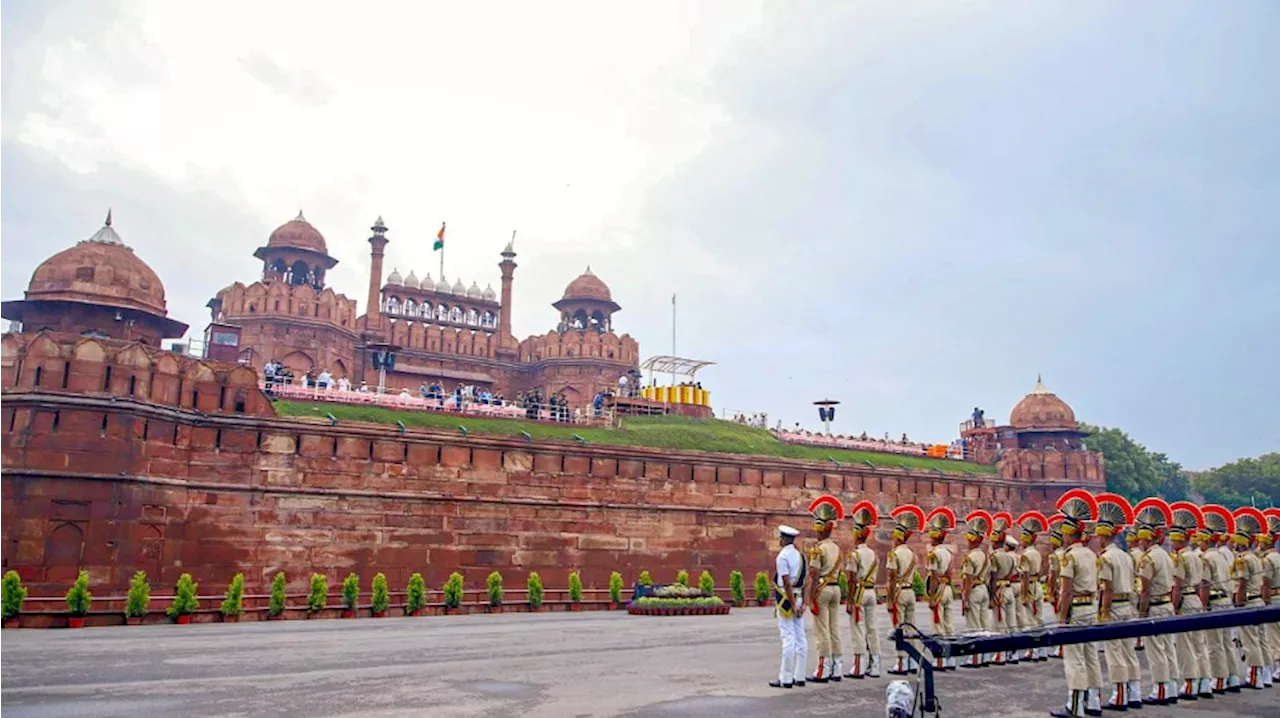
{"points": [[844, 586], [380, 598], [233, 604], [707, 583], [276, 605], [135, 606], [735, 587], [575, 587], [682, 577], [917, 584], [535, 589], [78, 597], [645, 579], [351, 591], [184, 598], [319, 596], [495, 588], [764, 587], [14, 594], [416, 594], [615, 587], [453, 591]]}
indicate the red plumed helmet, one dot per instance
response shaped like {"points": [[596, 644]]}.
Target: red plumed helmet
{"points": [[1218, 519], [941, 519], [1154, 512], [1078, 504], [908, 517], [827, 509], [1033, 522]]}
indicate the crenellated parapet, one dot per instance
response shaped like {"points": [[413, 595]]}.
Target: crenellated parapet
{"points": [[72, 365], [574, 344], [240, 302]]}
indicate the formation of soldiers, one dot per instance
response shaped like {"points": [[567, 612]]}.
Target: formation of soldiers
{"points": [[1216, 559]]}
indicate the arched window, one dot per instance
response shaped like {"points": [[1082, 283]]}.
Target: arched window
{"points": [[455, 315], [579, 320], [410, 309], [473, 318], [488, 320], [442, 313], [299, 274], [425, 310], [393, 305]]}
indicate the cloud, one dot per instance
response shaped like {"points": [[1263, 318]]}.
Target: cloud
{"points": [[910, 208]]}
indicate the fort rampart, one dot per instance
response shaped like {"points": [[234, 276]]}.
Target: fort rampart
{"points": [[120, 485]]}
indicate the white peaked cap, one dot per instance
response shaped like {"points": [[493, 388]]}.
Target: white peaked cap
{"points": [[788, 531], [1011, 542]]}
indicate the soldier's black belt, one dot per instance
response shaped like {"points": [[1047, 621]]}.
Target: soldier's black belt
{"points": [[1253, 597], [1190, 592], [1161, 601]]}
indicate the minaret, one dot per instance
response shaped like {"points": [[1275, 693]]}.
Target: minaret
{"points": [[377, 242], [506, 341]]}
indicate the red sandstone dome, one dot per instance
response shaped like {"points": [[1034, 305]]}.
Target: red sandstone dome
{"points": [[298, 233], [588, 286], [99, 270], [1042, 409]]}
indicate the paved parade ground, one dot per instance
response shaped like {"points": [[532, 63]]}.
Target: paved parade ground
{"points": [[551, 664]]}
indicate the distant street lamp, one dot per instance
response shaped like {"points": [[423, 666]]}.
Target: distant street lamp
{"points": [[826, 412]]}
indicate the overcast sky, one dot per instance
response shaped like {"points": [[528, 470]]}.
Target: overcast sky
{"points": [[910, 207]]}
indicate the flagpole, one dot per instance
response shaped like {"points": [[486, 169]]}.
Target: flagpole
{"points": [[673, 338]]}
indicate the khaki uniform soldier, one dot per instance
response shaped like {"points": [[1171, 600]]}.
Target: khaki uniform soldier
{"points": [[1224, 659], [1188, 576], [1004, 569], [1116, 576], [1271, 585], [861, 566], [1155, 571], [824, 589], [938, 584], [901, 564], [1136, 554], [1053, 564], [1247, 569], [1077, 605], [975, 600], [1031, 592]]}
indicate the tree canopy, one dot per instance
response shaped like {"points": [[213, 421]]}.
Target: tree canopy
{"points": [[1134, 472], [1242, 482]]}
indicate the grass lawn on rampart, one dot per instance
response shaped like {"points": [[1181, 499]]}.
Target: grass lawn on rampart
{"points": [[659, 432]]}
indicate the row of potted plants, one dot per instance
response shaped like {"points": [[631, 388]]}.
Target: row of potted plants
{"points": [[185, 602]]}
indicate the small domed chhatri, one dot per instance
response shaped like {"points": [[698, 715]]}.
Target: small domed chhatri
{"points": [[98, 286], [298, 233], [588, 286], [394, 278], [1042, 410]]}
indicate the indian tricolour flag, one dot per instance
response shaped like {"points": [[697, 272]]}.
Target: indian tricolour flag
{"points": [[439, 243]]}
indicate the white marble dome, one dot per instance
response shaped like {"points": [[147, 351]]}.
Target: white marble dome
{"points": [[459, 288], [489, 295], [411, 280], [443, 286], [474, 291], [394, 277]]}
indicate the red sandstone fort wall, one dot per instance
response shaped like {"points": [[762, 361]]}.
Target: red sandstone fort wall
{"points": [[121, 486]]}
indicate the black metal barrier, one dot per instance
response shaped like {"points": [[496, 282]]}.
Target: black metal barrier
{"points": [[936, 646]]}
